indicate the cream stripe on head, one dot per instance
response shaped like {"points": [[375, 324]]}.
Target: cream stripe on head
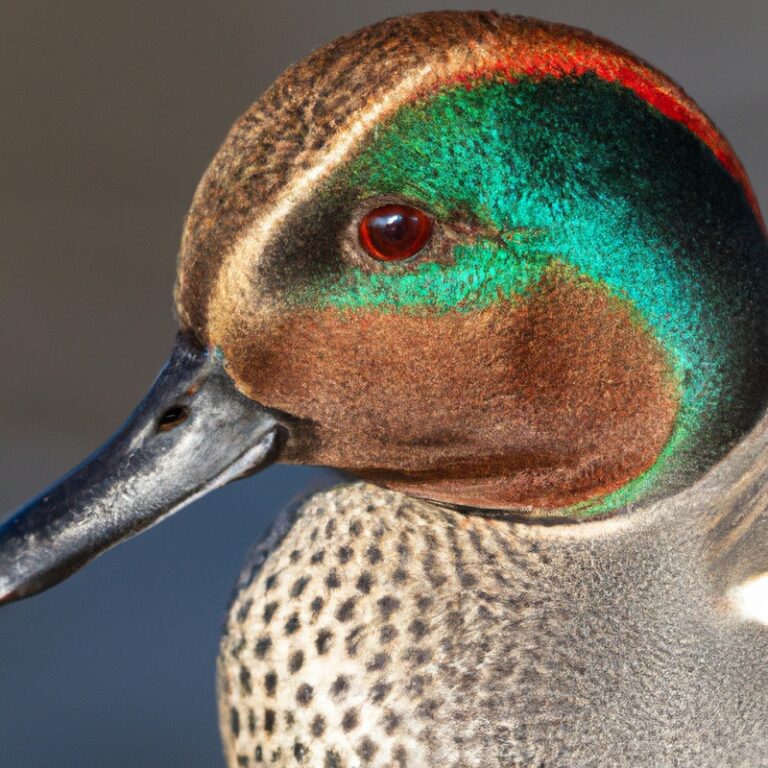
{"points": [[233, 281]]}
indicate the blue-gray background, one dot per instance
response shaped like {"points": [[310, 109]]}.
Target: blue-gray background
{"points": [[109, 113]]}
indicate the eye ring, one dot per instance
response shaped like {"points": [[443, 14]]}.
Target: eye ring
{"points": [[395, 232]]}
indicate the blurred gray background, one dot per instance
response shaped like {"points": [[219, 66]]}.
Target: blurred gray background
{"points": [[109, 112]]}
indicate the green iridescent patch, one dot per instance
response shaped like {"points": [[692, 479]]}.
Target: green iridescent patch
{"points": [[614, 190], [483, 273]]}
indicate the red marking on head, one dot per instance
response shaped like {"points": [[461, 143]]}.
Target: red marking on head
{"points": [[569, 57]]}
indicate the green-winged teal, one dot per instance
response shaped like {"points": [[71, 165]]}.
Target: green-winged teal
{"points": [[513, 278]]}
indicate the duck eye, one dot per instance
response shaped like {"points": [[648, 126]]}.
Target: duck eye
{"points": [[172, 418], [395, 232]]}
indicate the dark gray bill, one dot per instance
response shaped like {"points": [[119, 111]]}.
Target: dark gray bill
{"points": [[192, 433]]}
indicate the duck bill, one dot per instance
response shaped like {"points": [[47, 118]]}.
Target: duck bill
{"points": [[192, 433]]}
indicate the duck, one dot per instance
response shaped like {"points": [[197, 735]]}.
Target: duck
{"points": [[511, 279]]}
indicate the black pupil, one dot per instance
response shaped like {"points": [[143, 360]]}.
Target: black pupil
{"points": [[174, 415], [394, 228]]}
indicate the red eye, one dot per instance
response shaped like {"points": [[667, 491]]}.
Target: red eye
{"points": [[395, 232]]}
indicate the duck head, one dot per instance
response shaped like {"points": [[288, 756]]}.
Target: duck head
{"points": [[485, 260]]}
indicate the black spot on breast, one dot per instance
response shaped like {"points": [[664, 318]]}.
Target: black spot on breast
{"points": [[270, 582], [318, 726], [244, 610], [262, 646], [317, 557], [340, 686], [380, 690], [269, 720], [429, 564], [477, 543], [424, 602], [298, 586], [332, 580], [346, 610], [234, 722], [237, 648], [352, 640], [391, 722], [344, 554], [332, 759], [366, 749], [299, 751], [245, 680], [270, 683], [350, 720], [387, 633], [292, 624], [323, 640], [269, 611], [304, 694], [418, 629], [316, 605], [378, 662], [296, 661], [364, 582], [373, 554], [388, 605]]}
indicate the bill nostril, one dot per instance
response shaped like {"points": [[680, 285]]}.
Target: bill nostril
{"points": [[172, 417]]}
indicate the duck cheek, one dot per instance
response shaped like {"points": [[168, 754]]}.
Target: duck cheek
{"points": [[371, 383], [545, 401]]}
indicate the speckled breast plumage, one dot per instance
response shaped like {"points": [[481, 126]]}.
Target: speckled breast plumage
{"points": [[372, 629]]}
